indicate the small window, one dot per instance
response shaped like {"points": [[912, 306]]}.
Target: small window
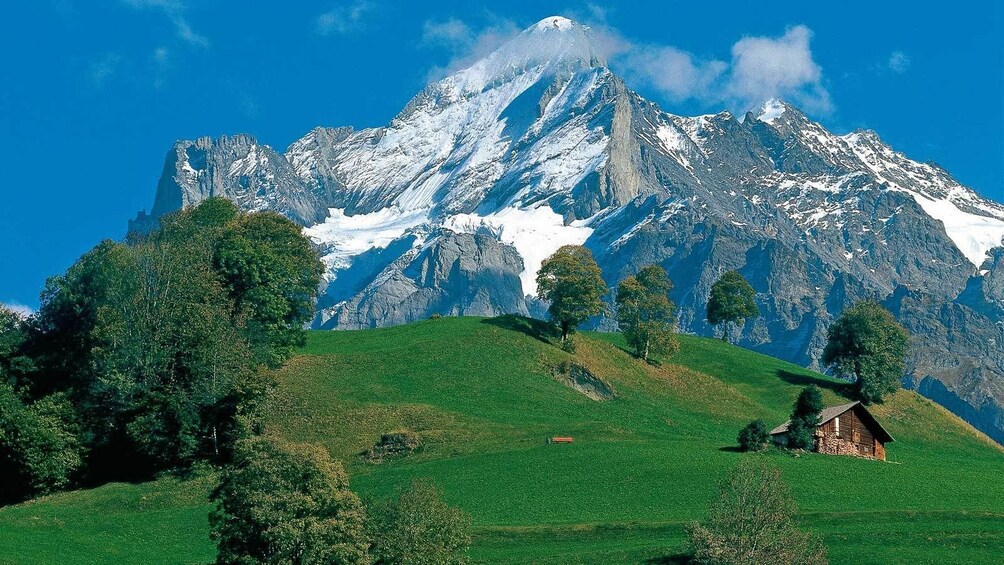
{"points": [[836, 425]]}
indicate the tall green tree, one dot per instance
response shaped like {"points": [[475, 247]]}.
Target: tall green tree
{"points": [[572, 282], [732, 301], [645, 313], [867, 344], [805, 418], [272, 273], [289, 504], [420, 528], [160, 342], [751, 523]]}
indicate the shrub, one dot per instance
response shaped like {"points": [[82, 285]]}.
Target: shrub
{"points": [[419, 528], [754, 436], [751, 523], [39, 445], [805, 418], [287, 503]]}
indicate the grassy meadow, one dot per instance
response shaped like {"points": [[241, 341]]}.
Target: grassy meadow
{"points": [[480, 395]]}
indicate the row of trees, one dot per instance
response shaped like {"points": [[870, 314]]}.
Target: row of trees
{"points": [[572, 283], [153, 353], [865, 343]]}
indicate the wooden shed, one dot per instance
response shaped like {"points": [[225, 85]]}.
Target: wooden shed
{"points": [[848, 429]]}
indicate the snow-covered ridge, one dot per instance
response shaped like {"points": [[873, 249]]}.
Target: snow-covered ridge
{"points": [[974, 224]]}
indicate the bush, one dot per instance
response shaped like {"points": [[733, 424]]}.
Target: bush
{"points": [[568, 346], [751, 522], [419, 528], [754, 436], [805, 418], [39, 445], [287, 503]]}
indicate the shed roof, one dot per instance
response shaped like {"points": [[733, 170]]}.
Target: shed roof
{"points": [[832, 412]]}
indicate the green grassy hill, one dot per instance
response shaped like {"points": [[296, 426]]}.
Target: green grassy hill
{"points": [[481, 396]]}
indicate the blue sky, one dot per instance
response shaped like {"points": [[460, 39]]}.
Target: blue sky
{"points": [[93, 93]]}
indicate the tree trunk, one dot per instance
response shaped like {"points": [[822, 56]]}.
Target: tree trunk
{"points": [[564, 331], [644, 354], [216, 444]]}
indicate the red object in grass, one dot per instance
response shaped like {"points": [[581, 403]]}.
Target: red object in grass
{"points": [[561, 440]]}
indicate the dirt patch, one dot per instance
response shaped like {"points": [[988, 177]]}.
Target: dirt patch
{"points": [[581, 379]]}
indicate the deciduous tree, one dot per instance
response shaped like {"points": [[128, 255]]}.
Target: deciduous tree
{"points": [[419, 528], [287, 503], [571, 281], [751, 523], [867, 343], [805, 418], [645, 313], [754, 436], [731, 301]]}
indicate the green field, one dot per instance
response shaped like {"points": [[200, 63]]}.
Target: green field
{"points": [[480, 394]]}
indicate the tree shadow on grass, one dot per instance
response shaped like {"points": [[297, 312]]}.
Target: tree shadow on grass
{"points": [[731, 449], [843, 389], [678, 559], [537, 329]]}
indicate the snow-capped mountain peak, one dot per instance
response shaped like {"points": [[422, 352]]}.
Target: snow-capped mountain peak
{"points": [[452, 207]]}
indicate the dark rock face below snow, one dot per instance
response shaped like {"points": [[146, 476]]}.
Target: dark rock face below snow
{"points": [[451, 208]]}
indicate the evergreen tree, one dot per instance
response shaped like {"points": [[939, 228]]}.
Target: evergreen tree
{"points": [[571, 281], [867, 343], [645, 313], [731, 301], [805, 418]]}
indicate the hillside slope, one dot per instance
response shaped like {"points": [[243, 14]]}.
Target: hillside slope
{"points": [[481, 396]]}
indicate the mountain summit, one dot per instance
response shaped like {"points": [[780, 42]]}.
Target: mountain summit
{"points": [[452, 207]]}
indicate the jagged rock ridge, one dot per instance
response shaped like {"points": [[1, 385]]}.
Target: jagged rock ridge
{"points": [[452, 206]]}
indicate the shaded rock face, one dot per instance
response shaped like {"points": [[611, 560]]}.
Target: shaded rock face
{"points": [[451, 207]]}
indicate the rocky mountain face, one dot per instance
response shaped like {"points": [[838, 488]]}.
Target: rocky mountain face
{"points": [[452, 207]]}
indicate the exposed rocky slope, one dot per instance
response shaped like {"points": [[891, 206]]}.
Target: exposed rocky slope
{"points": [[451, 208]]}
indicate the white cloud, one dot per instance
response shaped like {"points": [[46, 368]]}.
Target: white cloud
{"points": [[465, 43], [759, 68], [342, 19], [782, 67], [20, 309], [175, 11], [899, 62]]}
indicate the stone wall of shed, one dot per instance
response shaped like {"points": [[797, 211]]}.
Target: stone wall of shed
{"points": [[833, 445]]}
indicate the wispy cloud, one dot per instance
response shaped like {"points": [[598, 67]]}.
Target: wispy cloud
{"points": [[160, 59], [20, 309], [104, 68], [175, 11], [899, 62], [343, 19], [782, 67], [759, 67], [466, 43]]}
